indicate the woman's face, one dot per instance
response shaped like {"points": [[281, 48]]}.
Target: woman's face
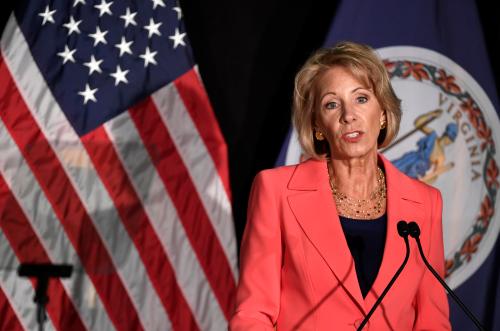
{"points": [[349, 115]]}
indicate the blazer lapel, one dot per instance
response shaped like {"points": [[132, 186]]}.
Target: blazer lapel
{"points": [[403, 203], [313, 206]]}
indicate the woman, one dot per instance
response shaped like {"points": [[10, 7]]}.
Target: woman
{"points": [[321, 242]]}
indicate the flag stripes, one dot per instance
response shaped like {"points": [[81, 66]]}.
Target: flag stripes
{"points": [[18, 230], [138, 225], [181, 120], [9, 319], [44, 222], [196, 102], [158, 205], [173, 173]]}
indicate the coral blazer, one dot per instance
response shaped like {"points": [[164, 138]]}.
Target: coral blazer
{"points": [[297, 272]]}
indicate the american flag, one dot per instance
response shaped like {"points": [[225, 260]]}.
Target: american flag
{"points": [[111, 159]]}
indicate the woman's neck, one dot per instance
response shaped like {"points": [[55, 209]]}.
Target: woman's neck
{"points": [[355, 177]]}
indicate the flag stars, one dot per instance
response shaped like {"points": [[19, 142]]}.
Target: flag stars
{"points": [[77, 2], [88, 94], [104, 8], [93, 65], [148, 57], [177, 9], [158, 3], [178, 38], [124, 46], [153, 28], [67, 54], [47, 15], [99, 36], [120, 75], [129, 17], [72, 26]]}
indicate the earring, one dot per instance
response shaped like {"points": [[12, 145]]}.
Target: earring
{"points": [[383, 121], [319, 136]]}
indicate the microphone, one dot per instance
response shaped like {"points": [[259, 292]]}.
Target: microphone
{"points": [[43, 272], [403, 231], [414, 230]]}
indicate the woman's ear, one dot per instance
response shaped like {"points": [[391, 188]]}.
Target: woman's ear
{"points": [[383, 120]]}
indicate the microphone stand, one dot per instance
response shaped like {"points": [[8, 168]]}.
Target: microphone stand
{"points": [[43, 272], [415, 233], [403, 232]]}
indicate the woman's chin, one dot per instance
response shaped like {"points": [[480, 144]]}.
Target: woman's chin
{"points": [[355, 152]]}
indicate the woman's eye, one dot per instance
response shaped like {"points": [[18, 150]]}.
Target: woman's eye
{"points": [[331, 105], [362, 99]]}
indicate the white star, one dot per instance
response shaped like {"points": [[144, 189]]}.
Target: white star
{"points": [[119, 75], [67, 54], [48, 15], [129, 17], [153, 28], [177, 9], [104, 8], [78, 2], [93, 65], [124, 46], [158, 3], [149, 57], [178, 38], [88, 94], [99, 36], [72, 26]]}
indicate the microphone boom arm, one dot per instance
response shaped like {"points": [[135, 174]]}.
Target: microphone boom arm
{"points": [[415, 233], [393, 279]]}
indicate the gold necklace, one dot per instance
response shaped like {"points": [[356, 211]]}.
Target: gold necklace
{"points": [[360, 208]]}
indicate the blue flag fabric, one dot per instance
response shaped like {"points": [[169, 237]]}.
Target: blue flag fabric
{"points": [[448, 35]]}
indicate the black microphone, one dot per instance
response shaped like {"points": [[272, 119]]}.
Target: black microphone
{"points": [[415, 233], [43, 272], [403, 231]]}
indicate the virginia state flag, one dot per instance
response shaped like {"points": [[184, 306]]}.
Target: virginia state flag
{"points": [[450, 131]]}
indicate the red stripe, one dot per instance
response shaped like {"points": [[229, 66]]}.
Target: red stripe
{"points": [[189, 207], [28, 249], [137, 223], [66, 204], [8, 320], [197, 103]]}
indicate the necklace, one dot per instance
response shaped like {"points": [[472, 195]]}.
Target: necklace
{"points": [[360, 208]]}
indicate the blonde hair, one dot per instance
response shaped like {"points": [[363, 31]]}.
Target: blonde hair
{"points": [[366, 67]]}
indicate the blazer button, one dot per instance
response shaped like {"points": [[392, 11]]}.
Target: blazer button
{"points": [[358, 322]]}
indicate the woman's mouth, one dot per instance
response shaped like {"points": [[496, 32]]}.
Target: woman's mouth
{"points": [[352, 137]]}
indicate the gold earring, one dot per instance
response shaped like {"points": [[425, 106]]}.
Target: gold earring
{"points": [[319, 136], [382, 125]]}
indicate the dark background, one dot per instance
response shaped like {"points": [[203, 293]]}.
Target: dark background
{"points": [[248, 53]]}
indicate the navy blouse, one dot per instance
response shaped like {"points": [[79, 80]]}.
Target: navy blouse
{"points": [[366, 241]]}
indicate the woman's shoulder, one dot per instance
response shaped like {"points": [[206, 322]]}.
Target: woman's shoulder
{"points": [[276, 174], [282, 175]]}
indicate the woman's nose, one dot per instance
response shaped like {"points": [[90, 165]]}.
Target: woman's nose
{"points": [[348, 114]]}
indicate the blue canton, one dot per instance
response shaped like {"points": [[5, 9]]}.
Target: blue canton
{"points": [[101, 57]]}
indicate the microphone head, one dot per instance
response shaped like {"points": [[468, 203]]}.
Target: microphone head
{"points": [[414, 229], [403, 230]]}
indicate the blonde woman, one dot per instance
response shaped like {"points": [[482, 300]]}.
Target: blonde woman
{"points": [[321, 243]]}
